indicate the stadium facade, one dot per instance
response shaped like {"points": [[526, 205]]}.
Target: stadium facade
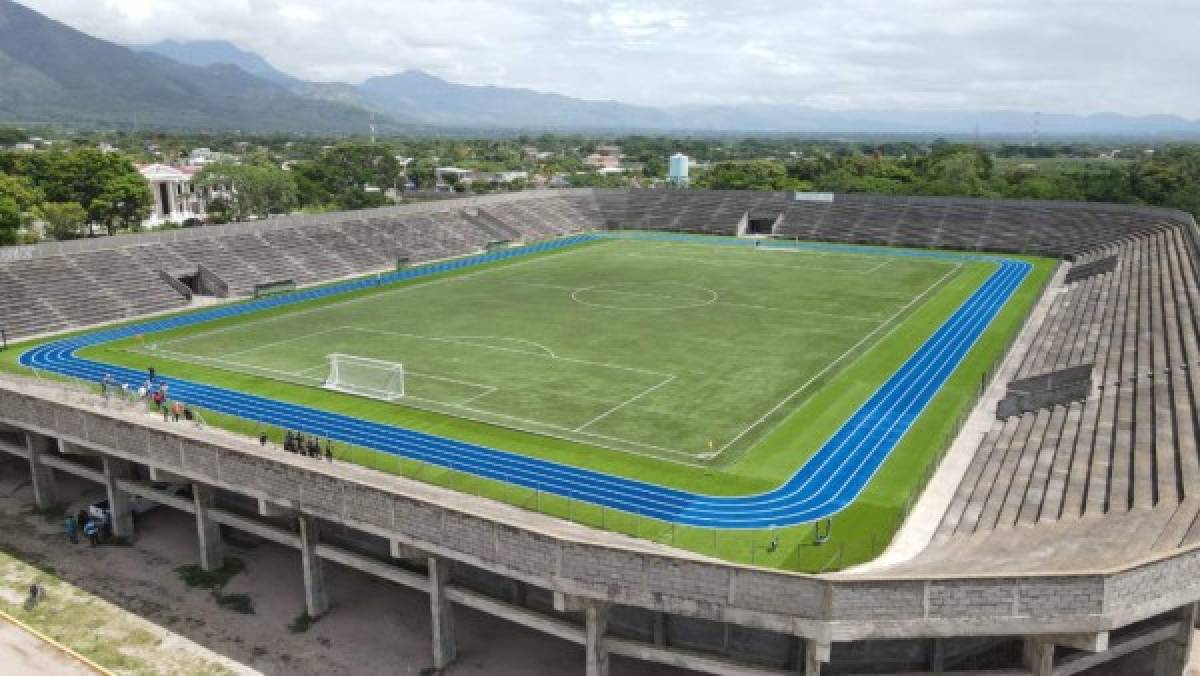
{"points": [[1067, 543]]}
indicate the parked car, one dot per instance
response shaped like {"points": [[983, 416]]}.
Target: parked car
{"points": [[139, 505]]}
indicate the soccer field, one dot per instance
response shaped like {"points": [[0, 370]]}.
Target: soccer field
{"points": [[678, 350]]}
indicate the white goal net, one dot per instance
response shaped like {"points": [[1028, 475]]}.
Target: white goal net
{"points": [[365, 377]]}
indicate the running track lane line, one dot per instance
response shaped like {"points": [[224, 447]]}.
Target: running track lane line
{"points": [[827, 483]]}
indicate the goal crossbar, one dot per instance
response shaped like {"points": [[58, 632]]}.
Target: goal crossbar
{"points": [[365, 377]]}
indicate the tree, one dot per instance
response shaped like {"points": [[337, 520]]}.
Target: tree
{"points": [[343, 173], [10, 220], [64, 220], [17, 196], [124, 202], [253, 190], [745, 175]]}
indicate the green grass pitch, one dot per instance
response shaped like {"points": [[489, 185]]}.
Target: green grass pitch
{"points": [[709, 368], [674, 350]]}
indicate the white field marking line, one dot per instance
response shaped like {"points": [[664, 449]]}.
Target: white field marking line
{"points": [[717, 302], [816, 313], [272, 343], [468, 400], [684, 303], [323, 367], [831, 364], [621, 405], [481, 415], [733, 263], [452, 341], [431, 376], [376, 295], [548, 351], [879, 267], [231, 365], [540, 427]]}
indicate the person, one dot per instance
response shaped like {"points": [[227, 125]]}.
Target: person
{"points": [[163, 388], [314, 448], [150, 371], [106, 383], [176, 410], [81, 518], [162, 404], [262, 439], [187, 413], [288, 441], [72, 529], [36, 593], [328, 450], [92, 532]]}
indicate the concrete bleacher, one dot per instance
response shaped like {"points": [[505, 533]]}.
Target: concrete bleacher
{"points": [[58, 286], [1131, 446], [1064, 229]]}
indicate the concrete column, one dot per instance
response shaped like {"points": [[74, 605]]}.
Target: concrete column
{"points": [[1171, 656], [445, 646], [208, 532], [937, 655], [315, 600], [660, 629], [1038, 656], [45, 488], [816, 653], [118, 500], [595, 617]]}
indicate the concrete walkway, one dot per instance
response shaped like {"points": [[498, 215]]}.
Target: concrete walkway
{"points": [[24, 654]]}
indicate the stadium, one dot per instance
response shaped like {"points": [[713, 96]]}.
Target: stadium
{"points": [[731, 432]]}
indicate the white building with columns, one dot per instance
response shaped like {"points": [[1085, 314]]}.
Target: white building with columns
{"points": [[176, 197]]}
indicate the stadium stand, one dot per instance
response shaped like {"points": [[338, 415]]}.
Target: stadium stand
{"points": [[1107, 480], [59, 286], [1131, 445]]}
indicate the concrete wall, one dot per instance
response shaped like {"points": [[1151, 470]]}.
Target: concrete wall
{"points": [[575, 560]]}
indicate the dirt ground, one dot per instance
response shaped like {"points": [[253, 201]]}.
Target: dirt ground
{"points": [[23, 654], [373, 626]]}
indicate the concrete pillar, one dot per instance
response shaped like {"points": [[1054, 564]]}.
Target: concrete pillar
{"points": [[660, 629], [315, 600], [45, 488], [595, 616], [937, 655], [445, 646], [208, 532], [118, 500], [1171, 656], [1038, 656], [816, 653]]}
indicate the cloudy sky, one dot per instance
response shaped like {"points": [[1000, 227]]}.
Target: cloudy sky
{"points": [[1132, 56]]}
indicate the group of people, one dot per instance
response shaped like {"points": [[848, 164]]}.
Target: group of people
{"points": [[154, 391], [95, 530], [310, 445]]}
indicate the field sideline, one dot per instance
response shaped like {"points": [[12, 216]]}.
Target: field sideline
{"points": [[741, 475]]}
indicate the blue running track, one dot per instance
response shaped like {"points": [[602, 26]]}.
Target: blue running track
{"points": [[827, 483]]}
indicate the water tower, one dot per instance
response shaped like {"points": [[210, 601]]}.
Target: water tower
{"points": [[677, 169]]}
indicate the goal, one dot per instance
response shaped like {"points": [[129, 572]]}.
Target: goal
{"points": [[373, 378]]}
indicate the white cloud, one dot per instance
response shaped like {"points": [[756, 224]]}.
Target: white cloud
{"points": [[1049, 55]]}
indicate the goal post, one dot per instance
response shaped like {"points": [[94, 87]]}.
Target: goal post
{"points": [[365, 377]]}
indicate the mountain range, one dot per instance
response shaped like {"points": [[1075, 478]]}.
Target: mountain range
{"points": [[52, 73]]}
